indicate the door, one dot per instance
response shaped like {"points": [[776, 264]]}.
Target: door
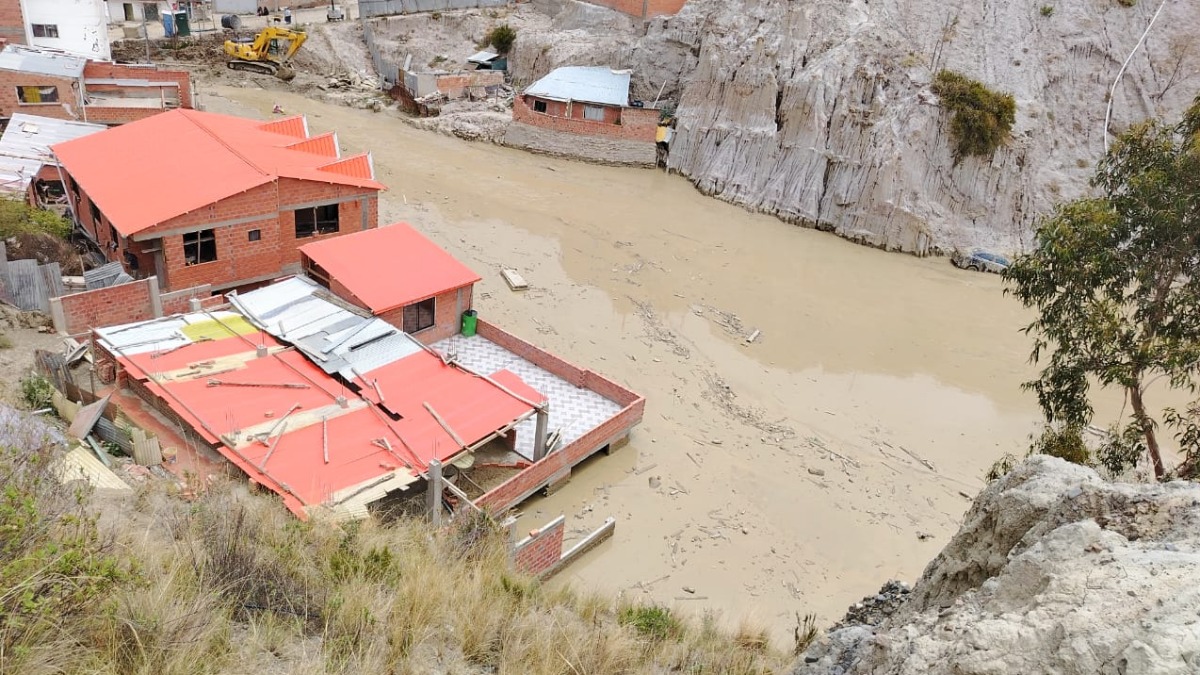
{"points": [[128, 7]]}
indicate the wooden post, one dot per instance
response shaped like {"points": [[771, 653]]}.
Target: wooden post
{"points": [[433, 492], [539, 434]]}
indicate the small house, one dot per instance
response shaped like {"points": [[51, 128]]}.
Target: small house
{"points": [[27, 166], [50, 83], [200, 198], [586, 100], [398, 275]]}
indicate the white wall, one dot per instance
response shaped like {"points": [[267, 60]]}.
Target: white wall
{"points": [[116, 10], [82, 26]]}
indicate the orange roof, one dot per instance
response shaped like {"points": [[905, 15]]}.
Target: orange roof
{"points": [[390, 266], [146, 172]]}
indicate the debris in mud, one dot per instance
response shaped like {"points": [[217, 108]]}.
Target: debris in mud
{"points": [[722, 396], [656, 331], [873, 609]]}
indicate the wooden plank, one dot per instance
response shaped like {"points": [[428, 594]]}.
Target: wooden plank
{"points": [[515, 281], [86, 418]]}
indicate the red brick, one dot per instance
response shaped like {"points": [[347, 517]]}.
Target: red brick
{"points": [[631, 124]]}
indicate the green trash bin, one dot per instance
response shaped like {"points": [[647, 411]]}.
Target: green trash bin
{"points": [[469, 320], [182, 29]]}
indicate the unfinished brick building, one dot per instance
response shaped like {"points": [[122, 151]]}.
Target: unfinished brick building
{"points": [[53, 84], [642, 9], [398, 275], [200, 198]]}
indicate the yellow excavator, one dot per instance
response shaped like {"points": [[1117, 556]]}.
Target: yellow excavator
{"points": [[269, 52]]}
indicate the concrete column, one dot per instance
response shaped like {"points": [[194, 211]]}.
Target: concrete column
{"points": [[155, 297], [433, 492], [539, 434]]}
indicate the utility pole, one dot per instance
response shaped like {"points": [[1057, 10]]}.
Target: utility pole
{"points": [[146, 33]]}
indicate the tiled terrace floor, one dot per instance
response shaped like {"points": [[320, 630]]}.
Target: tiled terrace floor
{"points": [[573, 410]]}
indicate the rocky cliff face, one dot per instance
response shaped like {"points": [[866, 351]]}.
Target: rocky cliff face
{"points": [[1053, 571], [820, 111]]}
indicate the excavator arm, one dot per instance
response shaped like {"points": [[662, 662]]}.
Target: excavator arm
{"points": [[256, 55]]}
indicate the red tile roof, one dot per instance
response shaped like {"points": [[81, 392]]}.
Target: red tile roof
{"points": [[390, 266], [296, 469], [143, 173], [471, 406]]}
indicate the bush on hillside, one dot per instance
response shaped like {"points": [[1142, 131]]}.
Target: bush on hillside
{"points": [[17, 217], [502, 38], [983, 119]]}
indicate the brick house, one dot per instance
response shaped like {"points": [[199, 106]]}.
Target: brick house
{"points": [[200, 198], [398, 275], [53, 84], [642, 9], [587, 100], [12, 23]]}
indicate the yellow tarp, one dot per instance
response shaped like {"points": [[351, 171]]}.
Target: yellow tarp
{"points": [[219, 330]]}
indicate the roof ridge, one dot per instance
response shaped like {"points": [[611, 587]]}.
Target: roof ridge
{"points": [[187, 114]]}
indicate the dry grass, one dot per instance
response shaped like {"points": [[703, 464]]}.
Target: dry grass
{"points": [[233, 584]]}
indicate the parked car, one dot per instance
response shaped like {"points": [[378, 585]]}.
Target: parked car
{"points": [[979, 260]]}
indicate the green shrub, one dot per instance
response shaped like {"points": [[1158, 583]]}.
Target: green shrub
{"points": [[1047, 10], [983, 119], [502, 38], [37, 391], [651, 621], [17, 217], [1064, 442], [5, 342]]}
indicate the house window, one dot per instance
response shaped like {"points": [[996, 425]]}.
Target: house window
{"points": [[539, 106], [46, 30], [418, 316], [593, 112], [35, 94], [255, 235], [199, 247], [112, 232], [96, 217], [319, 220]]}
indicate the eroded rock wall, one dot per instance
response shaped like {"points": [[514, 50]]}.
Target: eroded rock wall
{"points": [[1053, 571]]}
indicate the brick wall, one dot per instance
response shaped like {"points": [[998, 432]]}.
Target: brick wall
{"points": [[12, 22], [107, 70], [576, 111], [541, 551], [179, 302], [455, 85], [644, 9], [558, 463], [65, 108], [637, 124], [447, 315], [106, 306], [134, 301]]}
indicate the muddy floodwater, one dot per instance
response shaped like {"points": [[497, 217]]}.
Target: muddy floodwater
{"points": [[795, 473]]}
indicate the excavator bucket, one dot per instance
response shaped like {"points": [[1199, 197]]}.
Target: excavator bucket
{"points": [[285, 73]]}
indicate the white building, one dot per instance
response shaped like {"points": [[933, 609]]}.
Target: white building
{"points": [[74, 26], [120, 11]]}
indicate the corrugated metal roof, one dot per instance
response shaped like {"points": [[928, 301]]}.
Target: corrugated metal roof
{"points": [[226, 156], [337, 340], [108, 274], [589, 84], [32, 136], [416, 267], [484, 56], [43, 61], [16, 173]]}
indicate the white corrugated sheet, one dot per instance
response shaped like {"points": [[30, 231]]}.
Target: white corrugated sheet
{"points": [[43, 61], [588, 84], [32, 136]]}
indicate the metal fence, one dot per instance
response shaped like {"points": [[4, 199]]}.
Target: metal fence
{"points": [[27, 284], [388, 71], [369, 8]]}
